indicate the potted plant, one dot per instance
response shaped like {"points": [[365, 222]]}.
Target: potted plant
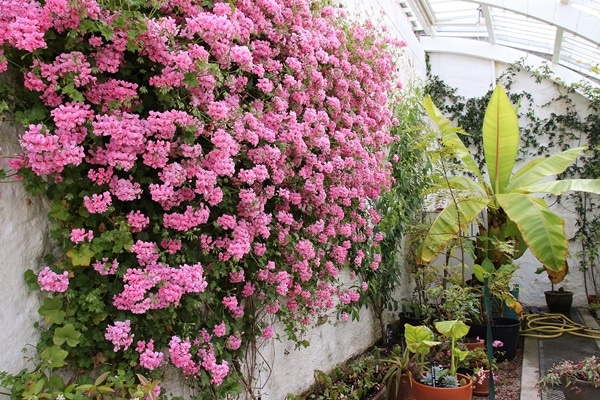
{"points": [[594, 309], [503, 329], [398, 367], [558, 301], [438, 381], [478, 366], [579, 379], [505, 206]]}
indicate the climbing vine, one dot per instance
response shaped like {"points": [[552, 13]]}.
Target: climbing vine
{"points": [[210, 168]]}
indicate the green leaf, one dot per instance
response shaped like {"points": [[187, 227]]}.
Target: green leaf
{"points": [[81, 256], [101, 378], [66, 334], [565, 185], [54, 357], [541, 168], [31, 280], [500, 139], [52, 310], [542, 229], [419, 339], [448, 224], [454, 329], [59, 210]]}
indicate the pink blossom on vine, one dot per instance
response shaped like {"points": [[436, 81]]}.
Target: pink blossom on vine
{"points": [[98, 203], [137, 221], [233, 342], [145, 252], [186, 220], [179, 352], [267, 333], [79, 235], [53, 282], [149, 358], [248, 289], [104, 267], [119, 334], [220, 330], [125, 189], [172, 246]]}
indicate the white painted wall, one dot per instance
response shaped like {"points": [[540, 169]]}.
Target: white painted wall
{"points": [[22, 243]]}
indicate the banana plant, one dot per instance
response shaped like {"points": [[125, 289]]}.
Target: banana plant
{"points": [[508, 207]]}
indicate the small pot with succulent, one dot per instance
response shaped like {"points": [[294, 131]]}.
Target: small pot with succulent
{"points": [[430, 382], [579, 379]]}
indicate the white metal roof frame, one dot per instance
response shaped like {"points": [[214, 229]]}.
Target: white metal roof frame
{"points": [[564, 32]]}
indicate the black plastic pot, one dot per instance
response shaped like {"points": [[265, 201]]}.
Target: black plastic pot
{"points": [[504, 329], [559, 301], [409, 318]]}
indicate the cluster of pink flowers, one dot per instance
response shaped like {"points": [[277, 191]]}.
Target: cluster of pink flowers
{"points": [[257, 172], [120, 334], [53, 282]]}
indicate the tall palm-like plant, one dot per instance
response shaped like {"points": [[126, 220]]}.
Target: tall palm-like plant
{"points": [[507, 206]]}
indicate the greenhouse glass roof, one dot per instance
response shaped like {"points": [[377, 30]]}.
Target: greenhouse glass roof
{"points": [[565, 32]]}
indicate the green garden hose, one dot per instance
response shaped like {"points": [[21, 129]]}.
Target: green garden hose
{"points": [[550, 326]]}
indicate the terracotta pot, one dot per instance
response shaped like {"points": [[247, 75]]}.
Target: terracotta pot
{"points": [[426, 392], [586, 391], [593, 298], [481, 385], [473, 343]]}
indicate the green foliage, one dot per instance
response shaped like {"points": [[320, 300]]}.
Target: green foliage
{"points": [[568, 123], [514, 211], [400, 208], [43, 384], [354, 379]]}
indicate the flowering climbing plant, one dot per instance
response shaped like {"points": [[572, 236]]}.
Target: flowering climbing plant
{"points": [[209, 167]]}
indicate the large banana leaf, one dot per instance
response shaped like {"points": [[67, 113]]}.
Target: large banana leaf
{"points": [[450, 138], [448, 224], [540, 227], [541, 168], [563, 186], [500, 139]]}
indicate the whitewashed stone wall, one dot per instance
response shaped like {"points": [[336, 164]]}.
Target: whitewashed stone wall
{"points": [[23, 226]]}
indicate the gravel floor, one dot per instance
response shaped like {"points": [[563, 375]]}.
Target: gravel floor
{"points": [[508, 380]]}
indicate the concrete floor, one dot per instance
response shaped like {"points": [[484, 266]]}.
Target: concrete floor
{"points": [[540, 354]]}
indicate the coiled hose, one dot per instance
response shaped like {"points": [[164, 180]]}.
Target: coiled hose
{"points": [[551, 325]]}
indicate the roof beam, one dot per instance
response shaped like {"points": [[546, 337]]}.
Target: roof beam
{"points": [[563, 15], [499, 53], [558, 40], [488, 23]]}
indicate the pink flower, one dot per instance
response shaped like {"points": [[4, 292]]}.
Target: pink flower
{"points": [[78, 235], [220, 330], [53, 282], [119, 334], [267, 333], [234, 342]]}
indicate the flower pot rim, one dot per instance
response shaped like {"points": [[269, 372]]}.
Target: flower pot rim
{"points": [[458, 375], [558, 292]]}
